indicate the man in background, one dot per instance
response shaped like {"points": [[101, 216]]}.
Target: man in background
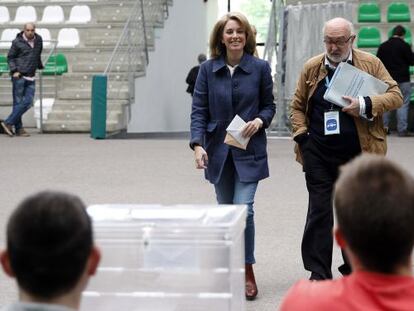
{"points": [[192, 75], [397, 57], [24, 59]]}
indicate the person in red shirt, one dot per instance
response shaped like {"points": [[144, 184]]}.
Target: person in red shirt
{"points": [[374, 205]]}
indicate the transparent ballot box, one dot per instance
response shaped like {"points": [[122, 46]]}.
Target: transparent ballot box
{"points": [[168, 258]]}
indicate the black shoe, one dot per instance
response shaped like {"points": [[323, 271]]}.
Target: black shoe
{"points": [[7, 128], [345, 269], [316, 277]]}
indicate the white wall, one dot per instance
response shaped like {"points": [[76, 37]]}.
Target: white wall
{"points": [[161, 102]]}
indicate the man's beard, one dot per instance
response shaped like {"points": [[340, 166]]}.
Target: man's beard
{"points": [[336, 58]]}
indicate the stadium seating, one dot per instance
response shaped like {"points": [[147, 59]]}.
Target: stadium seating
{"points": [[45, 34], [407, 37], [7, 36], [4, 15], [52, 14], [86, 33], [56, 65], [79, 14], [68, 38], [24, 14], [369, 37], [369, 13], [398, 12]]}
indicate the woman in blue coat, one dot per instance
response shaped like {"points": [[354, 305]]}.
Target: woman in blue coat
{"points": [[233, 82]]}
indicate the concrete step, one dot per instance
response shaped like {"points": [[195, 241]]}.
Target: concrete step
{"points": [[7, 89], [87, 84], [86, 94], [87, 76], [100, 67], [100, 56], [53, 126], [138, 41], [7, 99], [85, 105], [94, 38], [80, 115], [47, 80], [152, 11]]}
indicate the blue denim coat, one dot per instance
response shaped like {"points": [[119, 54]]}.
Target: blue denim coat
{"points": [[218, 97]]}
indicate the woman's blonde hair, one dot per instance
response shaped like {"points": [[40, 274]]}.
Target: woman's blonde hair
{"points": [[217, 48]]}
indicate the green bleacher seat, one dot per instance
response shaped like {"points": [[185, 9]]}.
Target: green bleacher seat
{"points": [[4, 66], [412, 71], [407, 37], [369, 13], [398, 12], [56, 65], [368, 37], [412, 98]]}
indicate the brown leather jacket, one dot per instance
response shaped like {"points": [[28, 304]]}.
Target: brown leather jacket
{"points": [[372, 136]]}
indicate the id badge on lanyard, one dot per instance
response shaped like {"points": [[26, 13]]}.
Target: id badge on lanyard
{"points": [[331, 118]]}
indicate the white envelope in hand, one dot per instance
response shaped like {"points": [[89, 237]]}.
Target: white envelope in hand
{"points": [[234, 135]]}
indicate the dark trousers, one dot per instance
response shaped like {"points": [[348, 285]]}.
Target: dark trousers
{"points": [[321, 171], [23, 94]]}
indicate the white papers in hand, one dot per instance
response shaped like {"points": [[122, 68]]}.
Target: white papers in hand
{"points": [[235, 130], [351, 81]]}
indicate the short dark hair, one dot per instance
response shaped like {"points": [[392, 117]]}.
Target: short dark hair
{"points": [[398, 31], [217, 48], [374, 204], [49, 239], [201, 58]]}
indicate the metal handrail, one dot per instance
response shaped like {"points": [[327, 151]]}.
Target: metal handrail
{"points": [[131, 53], [139, 5], [128, 51], [166, 9], [44, 61], [145, 32]]}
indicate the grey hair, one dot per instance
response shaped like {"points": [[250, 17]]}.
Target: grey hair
{"points": [[350, 26]]}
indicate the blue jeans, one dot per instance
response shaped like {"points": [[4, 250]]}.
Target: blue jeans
{"points": [[23, 94], [402, 112], [230, 190]]}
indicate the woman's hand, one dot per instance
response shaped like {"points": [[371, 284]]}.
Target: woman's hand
{"points": [[201, 158], [252, 127]]}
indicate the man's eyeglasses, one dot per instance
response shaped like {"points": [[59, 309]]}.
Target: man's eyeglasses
{"points": [[339, 42]]}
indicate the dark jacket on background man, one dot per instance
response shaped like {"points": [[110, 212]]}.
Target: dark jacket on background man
{"points": [[397, 56], [191, 79], [23, 58]]}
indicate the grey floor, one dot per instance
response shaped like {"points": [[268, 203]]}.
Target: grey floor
{"points": [[162, 171]]}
